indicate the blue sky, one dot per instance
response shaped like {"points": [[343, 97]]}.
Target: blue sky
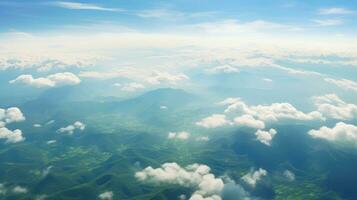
{"points": [[313, 16]]}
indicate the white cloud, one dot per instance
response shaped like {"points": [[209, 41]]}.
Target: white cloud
{"points": [[327, 22], [160, 13], [183, 135], [213, 121], [71, 128], [253, 177], [130, 87], [266, 25], [50, 122], [231, 26], [53, 80], [298, 71], [267, 80], [289, 175], [107, 195], [46, 171], [152, 77], [41, 197], [8, 116], [249, 121], [269, 113], [234, 105], [182, 197], [51, 141], [203, 138], [82, 6], [11, 115], [169, 14], [222, 69], [341, 132], [265, 137], [343, 83], [165, 77], [44, 62], [330, 105], [195, 176], [19, 190], [334, 11], [229, 101], [163, 107], [11, 136]]}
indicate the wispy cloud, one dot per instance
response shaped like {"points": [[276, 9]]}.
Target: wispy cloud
{"points": [[83, 6], [327, 22], [164, 13], [343, 83], [334, 11]]}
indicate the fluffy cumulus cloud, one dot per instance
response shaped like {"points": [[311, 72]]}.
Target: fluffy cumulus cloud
{"points": [[165, 77], [8, 116], [253, 177], [222, 69], [270, 113], [341, 132], [265, 137], [71, 128], [343, 83], [330, 105], [107, 195], [11, 136], [249, 121], [183, 135], [214, 121], [53, 80], [195, 176]]}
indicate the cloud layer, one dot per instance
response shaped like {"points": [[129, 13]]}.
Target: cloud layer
{"points": [[53, 80]]}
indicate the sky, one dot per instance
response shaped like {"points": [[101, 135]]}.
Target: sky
{"points": [[176, 40], [316, 16]]}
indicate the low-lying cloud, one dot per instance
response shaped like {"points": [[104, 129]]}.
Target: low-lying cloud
{"points": [[53, 80], [71, 128]]}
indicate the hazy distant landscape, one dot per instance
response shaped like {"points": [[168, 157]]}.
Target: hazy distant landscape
{"points": [[178, 100]]}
